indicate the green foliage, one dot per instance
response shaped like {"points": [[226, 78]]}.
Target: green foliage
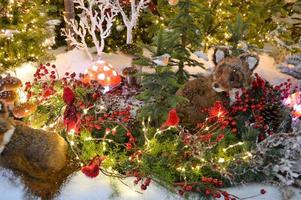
{"points": [[211, 18], [182, 37], [237, 30], [158, 94], [23, 32], [49, 112], [131, 49]]}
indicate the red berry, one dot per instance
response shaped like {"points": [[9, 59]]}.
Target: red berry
{"points": [[136, 174], [188, 188], [143, 187], [263, 191], [128, 146], [207, 192]]}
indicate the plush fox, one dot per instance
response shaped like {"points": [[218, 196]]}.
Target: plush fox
{"points": [[38, 156], [230, 75]]}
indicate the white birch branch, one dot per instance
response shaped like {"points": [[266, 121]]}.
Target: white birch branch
{"points": [[130, 20], [96, 20]]}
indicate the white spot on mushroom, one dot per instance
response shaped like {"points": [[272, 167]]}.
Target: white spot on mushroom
{"points": [[106, 68], [114, 73], [101, 76], [95, 68]]}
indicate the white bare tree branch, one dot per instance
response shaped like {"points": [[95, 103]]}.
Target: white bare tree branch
{"points": [[130, 20], [95, 20]]}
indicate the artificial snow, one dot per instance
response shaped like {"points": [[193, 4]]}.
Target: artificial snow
{"points": [[79, 187]]}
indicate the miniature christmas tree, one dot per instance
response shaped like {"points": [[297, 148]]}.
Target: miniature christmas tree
{"points": [[23, 36]]}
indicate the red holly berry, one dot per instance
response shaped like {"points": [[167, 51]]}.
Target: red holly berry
{"points": [[128, 146], [207, 192], [143, 187], [147, 181], [188, 188], [263, 191]]}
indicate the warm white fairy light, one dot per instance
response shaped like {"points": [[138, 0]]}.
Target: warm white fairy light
{"points": [[221, 160], [71, 132], [181, 169], [85, 111], [233, 145], [104, 148]]}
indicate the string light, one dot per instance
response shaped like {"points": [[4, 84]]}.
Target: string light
{"points": [[233, 145], [221, 160]]}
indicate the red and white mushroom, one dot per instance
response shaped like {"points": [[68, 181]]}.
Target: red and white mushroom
{"points": [[103, 73]]}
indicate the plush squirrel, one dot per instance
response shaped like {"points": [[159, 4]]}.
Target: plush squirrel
{"points": [[37, 155], [230, 74]]}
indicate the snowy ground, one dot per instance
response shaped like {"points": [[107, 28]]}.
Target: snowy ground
{"points": [[101, 188]]}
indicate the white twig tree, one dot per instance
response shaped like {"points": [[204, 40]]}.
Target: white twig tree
{"points": [[95, 20], [130, 20]]}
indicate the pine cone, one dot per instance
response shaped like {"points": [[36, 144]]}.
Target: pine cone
{"points": [[276, 116]]}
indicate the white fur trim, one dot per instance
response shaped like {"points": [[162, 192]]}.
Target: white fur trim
{"points": [[217, 89], [6, 138], [252, 61], [232, 94], [219, 55]]}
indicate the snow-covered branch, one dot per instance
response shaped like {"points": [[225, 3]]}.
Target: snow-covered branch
{"points": [[130, 20], [95, 20]]}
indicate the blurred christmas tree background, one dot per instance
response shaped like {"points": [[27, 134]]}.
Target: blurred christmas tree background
{"points": [[275, 22], [25, 32]]}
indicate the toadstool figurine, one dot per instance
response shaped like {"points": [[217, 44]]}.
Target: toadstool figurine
{"points": [[10, 83], [24, 110], [8, 97], [8, 87], [103, 73]]}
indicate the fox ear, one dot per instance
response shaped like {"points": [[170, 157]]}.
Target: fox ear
{"points": [[219, 54], [251, 60]]}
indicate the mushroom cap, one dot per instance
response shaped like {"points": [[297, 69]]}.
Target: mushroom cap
{"points": [[24, 110], [8, 97], [10, 83], [103, 73]]}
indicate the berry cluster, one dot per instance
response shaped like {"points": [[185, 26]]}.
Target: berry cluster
{"points": [[145, 182], [131, 141], [255, 103], [208, 186]]}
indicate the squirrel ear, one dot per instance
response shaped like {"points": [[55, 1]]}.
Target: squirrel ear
{"points": [[251, 60], [219, 54]]}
